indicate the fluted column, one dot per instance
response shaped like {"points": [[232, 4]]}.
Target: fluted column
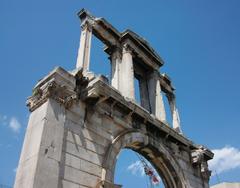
{"points": [[83, 58], [175, 114], [115, 63], [126, 73]]}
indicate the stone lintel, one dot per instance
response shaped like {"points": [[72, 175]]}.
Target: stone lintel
{"points": [[83, 14], [100, 89], [103, 30], [140, 54], [143, 47], [166, 84], [111, 37]]}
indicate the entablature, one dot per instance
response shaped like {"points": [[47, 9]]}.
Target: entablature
{"points": [[101, 91]]}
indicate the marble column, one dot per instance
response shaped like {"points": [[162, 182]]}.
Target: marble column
{"points": [[155, 96], [83, 58], [144, 96], [175, 114], [115, 64], [160, 108], [126, 73]]}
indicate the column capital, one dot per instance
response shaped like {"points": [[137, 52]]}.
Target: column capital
{"points": [[86, 18], [127, 49], [171, 97], [154, 74], [116, 53], [86, 25]]}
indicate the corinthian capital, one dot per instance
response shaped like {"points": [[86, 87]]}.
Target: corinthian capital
{"points": [[127, 49], [87, 24]]}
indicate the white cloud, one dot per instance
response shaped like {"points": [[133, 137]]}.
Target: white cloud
{"points": [[225, 159], [14, 125], [136, 168]]}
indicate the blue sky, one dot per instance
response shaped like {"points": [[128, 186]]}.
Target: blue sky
{"points": [[198, 40]]}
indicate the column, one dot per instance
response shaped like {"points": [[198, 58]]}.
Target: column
{"points": [[83, 58], [175, 114], [160, 108], [126, 73], [155, 96], [115, 63], [144, 96]]}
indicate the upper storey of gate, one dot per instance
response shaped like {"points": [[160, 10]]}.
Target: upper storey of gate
{"points": [[131, 58], [114, 39]]}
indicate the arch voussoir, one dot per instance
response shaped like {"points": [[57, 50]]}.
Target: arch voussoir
{"points": [[153, 150]]}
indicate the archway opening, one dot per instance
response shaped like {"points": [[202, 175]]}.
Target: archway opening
{"points": [[156, 152], [134, 170]]}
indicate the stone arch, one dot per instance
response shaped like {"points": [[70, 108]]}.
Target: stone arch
{"points": [[154, 151]]}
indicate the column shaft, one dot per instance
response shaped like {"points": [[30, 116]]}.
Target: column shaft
{"points": [[155, 96], [175, 114], [83, 58], [115, 62], [126, 74], [144, 96], [160, 108]]}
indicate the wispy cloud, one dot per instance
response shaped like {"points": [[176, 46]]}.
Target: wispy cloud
{"points": [[14, 124], [225, 159], [136, 168]]}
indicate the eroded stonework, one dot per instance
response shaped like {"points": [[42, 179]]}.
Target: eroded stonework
{"points": [[79, 121]]}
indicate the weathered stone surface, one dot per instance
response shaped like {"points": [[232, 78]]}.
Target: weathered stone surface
{"points": [[79, 123]]}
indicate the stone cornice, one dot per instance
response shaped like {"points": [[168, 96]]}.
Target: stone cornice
{"points": [[98, 89], [199, 158], [58, 85]]}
